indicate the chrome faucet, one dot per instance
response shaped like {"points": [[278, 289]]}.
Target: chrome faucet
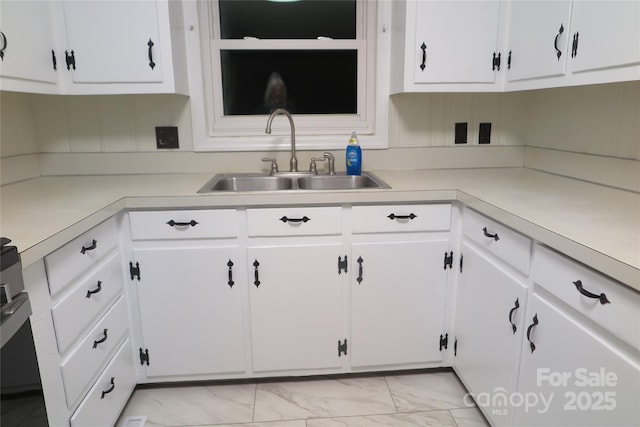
{"points": [[293, 163]]}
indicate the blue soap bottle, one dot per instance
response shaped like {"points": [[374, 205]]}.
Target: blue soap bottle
{"points": [[354, 156]]}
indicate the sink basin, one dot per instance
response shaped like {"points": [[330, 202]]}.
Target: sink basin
{"points": [[340, 182], [290, 181], [246, 182]]}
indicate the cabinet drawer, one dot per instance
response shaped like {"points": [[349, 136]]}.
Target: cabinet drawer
{"points": [[110, 393], [94, 351], [563, 277], [77, 310], [294, 221], [504, 243], [77, 256], [184, 224], [400, 218]]}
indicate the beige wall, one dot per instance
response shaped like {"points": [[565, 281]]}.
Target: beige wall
{"points": [[600, 119]]}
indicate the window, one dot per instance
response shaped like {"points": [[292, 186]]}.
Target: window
{"points": [[315, 58]]}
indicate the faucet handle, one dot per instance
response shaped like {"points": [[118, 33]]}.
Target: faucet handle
{"points": [[312, 167], [332, 162], [274, 164]]}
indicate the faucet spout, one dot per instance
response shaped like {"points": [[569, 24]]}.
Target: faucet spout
{"points": [[293, 162]]}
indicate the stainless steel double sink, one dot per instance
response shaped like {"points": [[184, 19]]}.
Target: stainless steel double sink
{"points": [[290, 181]]}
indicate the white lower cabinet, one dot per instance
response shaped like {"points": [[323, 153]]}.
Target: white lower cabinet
{"points": [[398, 295], [190, 309], [572, 376], [105, 400], [489, 318], [295, 294]]}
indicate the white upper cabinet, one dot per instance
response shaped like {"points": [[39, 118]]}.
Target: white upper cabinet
{"points": [[538, 44], [104, 52], [27, 47], [565, 43], [445, 46], [449, 46], [606, 34], [123, 47]]}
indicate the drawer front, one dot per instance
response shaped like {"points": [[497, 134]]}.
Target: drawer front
{"points": [[501, 241], [79, 309], [563, 277], [294, 221], [105, 400], [184, 224], [94, 351], [401, 218], [77, 256]]}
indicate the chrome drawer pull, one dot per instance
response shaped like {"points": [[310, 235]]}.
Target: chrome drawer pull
{"points": [[113, 385], [94, 244], [489, 235], [602, 297]]}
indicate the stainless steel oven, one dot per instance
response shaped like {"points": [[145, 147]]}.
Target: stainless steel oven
{"points": [[22, 403]]}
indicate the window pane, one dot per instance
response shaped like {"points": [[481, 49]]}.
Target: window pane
{"points": [[303, 82], [303, 19]]}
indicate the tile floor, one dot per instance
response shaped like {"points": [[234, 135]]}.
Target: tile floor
{"points": [[427, 398]]}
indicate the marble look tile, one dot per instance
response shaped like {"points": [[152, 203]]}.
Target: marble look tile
{"points": [[294, 423], [193, 405], [469, 417], [425, 392], [414, 419], [322, 398]]}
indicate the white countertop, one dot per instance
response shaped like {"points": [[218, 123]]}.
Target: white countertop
{"points": [[594, 224]]}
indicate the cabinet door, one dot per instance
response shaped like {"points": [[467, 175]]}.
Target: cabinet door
{"points": [[538, 39], [191, 317], [27, 42], [489, 326], [608, 34], [587, 381], [397, 302], [459, 41], [296, 306], [111, 40]]}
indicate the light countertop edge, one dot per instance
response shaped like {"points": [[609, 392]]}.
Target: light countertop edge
{"points": [[509, 195]]}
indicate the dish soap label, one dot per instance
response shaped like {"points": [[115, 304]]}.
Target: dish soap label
{"points": [[354, 156]]}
